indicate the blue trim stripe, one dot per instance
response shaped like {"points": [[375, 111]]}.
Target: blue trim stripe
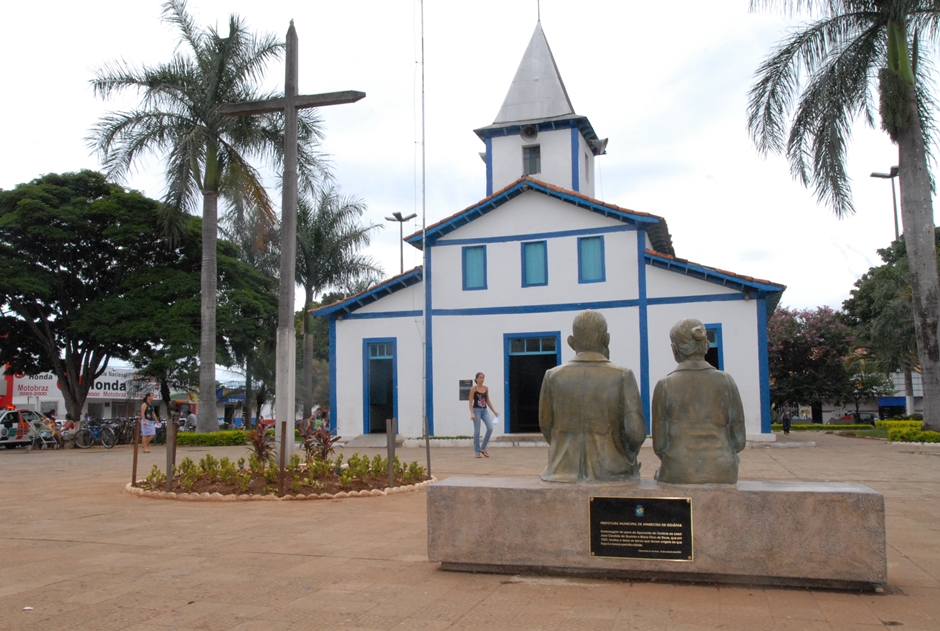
{"points": [[492, 203], [548, 308], [428, 345], [644, 327], [678, 300], [580, 122], [333, 396], [575, 167], [537, 236], [763, 366], [381, 290], [384, 314], [711, 275], [489, 166]]}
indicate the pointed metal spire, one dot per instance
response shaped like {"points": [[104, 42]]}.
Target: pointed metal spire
{"points": [[537, 91]]}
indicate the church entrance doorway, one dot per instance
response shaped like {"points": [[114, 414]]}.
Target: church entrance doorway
{"points": [[528, 356], [379, 384]]}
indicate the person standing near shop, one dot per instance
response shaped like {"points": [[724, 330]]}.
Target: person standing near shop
{"points": [[147, 418]]}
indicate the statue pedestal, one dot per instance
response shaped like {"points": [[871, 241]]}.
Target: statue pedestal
{"points": [[762, 533]]}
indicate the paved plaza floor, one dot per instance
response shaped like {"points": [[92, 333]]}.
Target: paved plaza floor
{"points": [[85, 555]]}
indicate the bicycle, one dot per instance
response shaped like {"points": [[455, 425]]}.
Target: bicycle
{"points": [[92, 433]]}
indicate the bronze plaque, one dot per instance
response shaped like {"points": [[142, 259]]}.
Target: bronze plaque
{"points": [[641, 528]]}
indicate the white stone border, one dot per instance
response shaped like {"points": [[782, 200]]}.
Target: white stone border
{"points": [[218, 497]]}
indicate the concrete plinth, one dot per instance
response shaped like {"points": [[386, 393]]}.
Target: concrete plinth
{"points": [[765, 533]]}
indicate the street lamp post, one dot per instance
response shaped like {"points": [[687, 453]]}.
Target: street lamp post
{"points": [[401, 234], [894, 198], [908, 385]]}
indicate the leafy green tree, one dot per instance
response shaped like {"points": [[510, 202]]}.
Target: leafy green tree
{"points": [[824, 74], [868, 381], [73, 249], [330, 235], [806, 351], [256, 244], [880, 311], [207, 154]]}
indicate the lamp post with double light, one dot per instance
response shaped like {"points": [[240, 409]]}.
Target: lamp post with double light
{"points": [[401, 234], [894, 198]]}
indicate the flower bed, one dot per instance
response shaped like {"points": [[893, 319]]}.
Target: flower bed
{"points": [[256, 477]]}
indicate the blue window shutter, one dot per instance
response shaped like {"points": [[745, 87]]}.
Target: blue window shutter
{"points": [[591, 260], [534, 264], [474, 267]]}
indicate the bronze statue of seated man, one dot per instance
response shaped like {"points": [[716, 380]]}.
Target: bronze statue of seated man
{"points": [[590, 411]]}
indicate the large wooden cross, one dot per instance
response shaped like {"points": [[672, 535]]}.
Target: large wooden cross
{"points": [[291, 102]]}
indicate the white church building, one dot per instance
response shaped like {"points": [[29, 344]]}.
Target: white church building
{"points": [[504, 278]]}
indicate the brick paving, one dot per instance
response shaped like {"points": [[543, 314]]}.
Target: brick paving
{"points": [[85, 555]]}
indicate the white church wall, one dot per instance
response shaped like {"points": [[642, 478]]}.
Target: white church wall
{"points": [[664, 283], [504, 258], [465, 345], [406, 299], [407, 333], [738, 320], [531, 212], [555, 152]]}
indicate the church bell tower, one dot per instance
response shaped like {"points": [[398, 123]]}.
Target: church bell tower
{"points": [[536, 132]]}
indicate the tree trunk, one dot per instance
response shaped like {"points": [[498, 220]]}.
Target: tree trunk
{"points": [[917, 219], [208, 419], [908, 391]]}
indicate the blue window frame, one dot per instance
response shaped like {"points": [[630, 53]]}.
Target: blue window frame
{"points": [[591, 268], [474, 267], [534, 263], [715, 355]]}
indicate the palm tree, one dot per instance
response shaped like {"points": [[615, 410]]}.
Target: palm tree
{"points": [[329, 237], [829, 73], [206, 153], [256, 244]]}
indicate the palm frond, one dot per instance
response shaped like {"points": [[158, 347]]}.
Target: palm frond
{"points": [[822, 124], [175, 13], [779, 76]]}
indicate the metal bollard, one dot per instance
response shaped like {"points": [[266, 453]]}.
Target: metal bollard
{"points": [[391, 436], [136, 439], [281, 457], [171, 430]]}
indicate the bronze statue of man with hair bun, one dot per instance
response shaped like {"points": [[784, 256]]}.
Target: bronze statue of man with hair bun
{"points": [[590, 411], [698, 418]]}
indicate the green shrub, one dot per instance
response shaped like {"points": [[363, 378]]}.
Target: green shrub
{"points": [[155, 480], [896, 424], [226, 438], [912, 435]]}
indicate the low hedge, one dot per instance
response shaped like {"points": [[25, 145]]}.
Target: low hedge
{"points": [[912, 435], [225, 438], [817, 427], [898, 424]]}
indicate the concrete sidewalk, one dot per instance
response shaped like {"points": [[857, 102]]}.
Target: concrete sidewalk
{"points": [[85, 555]]}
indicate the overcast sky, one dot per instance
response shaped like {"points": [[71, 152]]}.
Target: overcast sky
{"points": [[669, 91]]}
